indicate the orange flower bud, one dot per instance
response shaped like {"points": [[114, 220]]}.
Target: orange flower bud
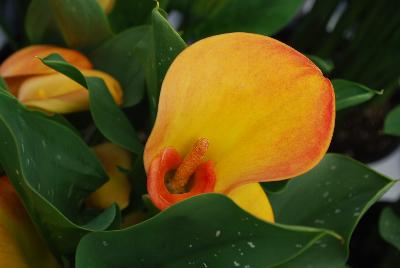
{"points": [[24, 62], [106, 5], [20, 244], [38, 86], [59, 94]]}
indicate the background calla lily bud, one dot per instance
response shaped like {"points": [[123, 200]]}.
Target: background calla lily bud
{"points": [[265, 110], [106, 5], [118, 188], [60, 94], [24, 63], [20, 244]]}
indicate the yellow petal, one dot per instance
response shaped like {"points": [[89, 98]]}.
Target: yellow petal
{"points": [[118, 188], [20, 244], [252, 198], [24, 61], [59, 94], [266, 110], [106, 5]]}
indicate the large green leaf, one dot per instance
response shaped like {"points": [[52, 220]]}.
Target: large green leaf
{"points": [[53, 172], [123, 57], [39, 21], [128, 13], [204, 231], [108, 117], [221, 16], [392, 122], [389, 227], [82, 23], [164, 44], [349, 93], [334, 195]]}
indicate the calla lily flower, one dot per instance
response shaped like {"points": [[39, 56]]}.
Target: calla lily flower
{"points": [[20, 244], [117, 189], [38, 86], [236, 109]]}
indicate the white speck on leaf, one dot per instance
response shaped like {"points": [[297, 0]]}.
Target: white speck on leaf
{"points": [[251, 244], [217, 233]]}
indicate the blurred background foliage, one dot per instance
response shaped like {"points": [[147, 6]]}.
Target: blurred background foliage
{"points": [[356, 40]]}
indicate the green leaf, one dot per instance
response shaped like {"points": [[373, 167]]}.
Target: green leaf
{"points": [[257, 16], [389, 227], [349, 93], [274, 186], [204, 231], [53, 172], [334, 195], [392, 122], [164, 44], [128, 13], [3, 86], [37, 20], [123, 57], [82, 23], [108, 117], [326, 66]]}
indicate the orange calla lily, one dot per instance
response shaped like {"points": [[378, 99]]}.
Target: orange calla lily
{"points": [[20, 244], [235, 109], [117, 189], [38, 86]]}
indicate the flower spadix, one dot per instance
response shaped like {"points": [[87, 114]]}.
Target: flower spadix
{"points": [[235, 109]]}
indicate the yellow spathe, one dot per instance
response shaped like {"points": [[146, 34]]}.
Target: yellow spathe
{"points": [[252, 198], [117, 189]]}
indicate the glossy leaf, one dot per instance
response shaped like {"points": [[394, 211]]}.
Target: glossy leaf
{"points": [[326, 66], [203, 231], [257, 16], [349, 93], [128, 13], [274, 186], [123, 57], [82, 23], [39, 21], [389, 227], [334, 195], [35, 149], [392, 122], [108, 117], [164, 44]]}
